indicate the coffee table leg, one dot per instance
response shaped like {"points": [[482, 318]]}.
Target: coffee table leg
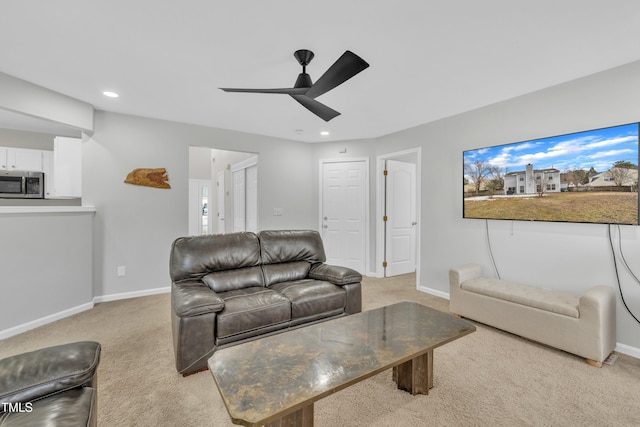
{"points": [[301, 418], [416, 375]]}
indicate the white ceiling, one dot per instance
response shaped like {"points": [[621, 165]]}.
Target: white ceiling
{"points": [[429, 58]]}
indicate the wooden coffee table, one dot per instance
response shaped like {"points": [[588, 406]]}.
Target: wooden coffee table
{"points": [[274, 381]]}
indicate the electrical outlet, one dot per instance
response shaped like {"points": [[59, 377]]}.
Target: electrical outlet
{"points": [[277, 211], [122, 271]]}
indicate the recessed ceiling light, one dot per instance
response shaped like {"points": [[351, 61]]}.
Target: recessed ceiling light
{"points": [[110, 94], [324, 133]]}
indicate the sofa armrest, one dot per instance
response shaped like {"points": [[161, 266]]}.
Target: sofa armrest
{"points": [[36, 374], [194, 298], [463, 273], [334, 274], [597, 323]]}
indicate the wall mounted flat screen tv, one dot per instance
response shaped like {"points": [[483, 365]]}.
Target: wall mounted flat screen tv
{"points": [[585, 177]]}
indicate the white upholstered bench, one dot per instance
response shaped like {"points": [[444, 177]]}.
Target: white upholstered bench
{"points": [[583, 325]]}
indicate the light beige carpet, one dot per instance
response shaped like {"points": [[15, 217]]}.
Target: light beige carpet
{"points": [[486, 378]]}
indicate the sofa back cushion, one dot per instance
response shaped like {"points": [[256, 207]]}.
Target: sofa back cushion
{"points": [[197, 256], [229, 280], [291, 245], [285, 272]]}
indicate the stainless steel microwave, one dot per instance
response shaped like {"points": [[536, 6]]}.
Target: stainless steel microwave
{"points": [[21, 185]]}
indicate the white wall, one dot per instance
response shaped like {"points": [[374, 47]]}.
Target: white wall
{"points": [[22, 139], [27, 98], [135, 226], [200, 163], [570, 257], [46, 268]]}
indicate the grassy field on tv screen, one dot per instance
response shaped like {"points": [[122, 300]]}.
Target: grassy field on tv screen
{"points": [[609, 208]]}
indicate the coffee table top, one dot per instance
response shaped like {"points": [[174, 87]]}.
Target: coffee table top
{"points": [[263, 380]]}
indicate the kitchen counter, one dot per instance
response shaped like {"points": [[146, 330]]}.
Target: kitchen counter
{"points": [[45, 209]]}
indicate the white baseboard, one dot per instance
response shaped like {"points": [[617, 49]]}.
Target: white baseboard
{"points": [[74, 310], [628, 350], [434, 292], [620, 348], [127, 295], [44, 320]]}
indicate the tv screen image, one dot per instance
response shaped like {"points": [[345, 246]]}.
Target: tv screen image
{"points": [[585, 177]]}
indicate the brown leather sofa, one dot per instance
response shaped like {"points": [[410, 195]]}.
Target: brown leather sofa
{"points": [[231, 288], [53, 386]]}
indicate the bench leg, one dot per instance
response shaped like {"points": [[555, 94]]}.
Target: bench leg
{"points": [[594, 363]]}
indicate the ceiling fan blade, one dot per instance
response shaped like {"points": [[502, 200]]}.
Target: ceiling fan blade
{"points": [[284, 91], [317, 108], [347, 66]]}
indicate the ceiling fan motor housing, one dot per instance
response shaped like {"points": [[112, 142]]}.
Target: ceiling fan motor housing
{"points": [[303, 80], [303, 56]]}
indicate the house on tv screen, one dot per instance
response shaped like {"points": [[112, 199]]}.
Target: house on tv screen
{"points": [[532, 181], [624, 178]]}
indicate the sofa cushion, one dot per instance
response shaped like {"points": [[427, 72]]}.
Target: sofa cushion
{"points": [[251, 308], [287, 246], [544, 299], [285, 272], [75, 407], [223, 281], [311, 297], [47, 371], [196, 256]]}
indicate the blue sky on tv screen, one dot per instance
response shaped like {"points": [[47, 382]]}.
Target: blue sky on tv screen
{"points": [[598, 148]]}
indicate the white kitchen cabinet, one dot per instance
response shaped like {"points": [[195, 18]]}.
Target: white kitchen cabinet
{"points": [[65, 177], [21, 159], [3, 159], [47, 168]]}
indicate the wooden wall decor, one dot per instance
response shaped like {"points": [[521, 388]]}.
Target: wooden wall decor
{"points": [[156, 178]]}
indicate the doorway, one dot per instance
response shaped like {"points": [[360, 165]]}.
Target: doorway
{"points": [[398, 211], [232, 193], [344, 212]]}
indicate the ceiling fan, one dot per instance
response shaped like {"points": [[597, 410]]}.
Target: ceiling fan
{"points": [[305, 92]]}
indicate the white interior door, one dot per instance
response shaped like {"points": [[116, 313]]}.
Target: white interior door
{"points": [[401, 218], [244, 176], [239, 199], [251, 201], [220, 205], [344, 212]]}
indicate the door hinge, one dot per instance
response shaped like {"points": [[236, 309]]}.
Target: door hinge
{"points": [[385, 218], [384, 264], [385, 173]]}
